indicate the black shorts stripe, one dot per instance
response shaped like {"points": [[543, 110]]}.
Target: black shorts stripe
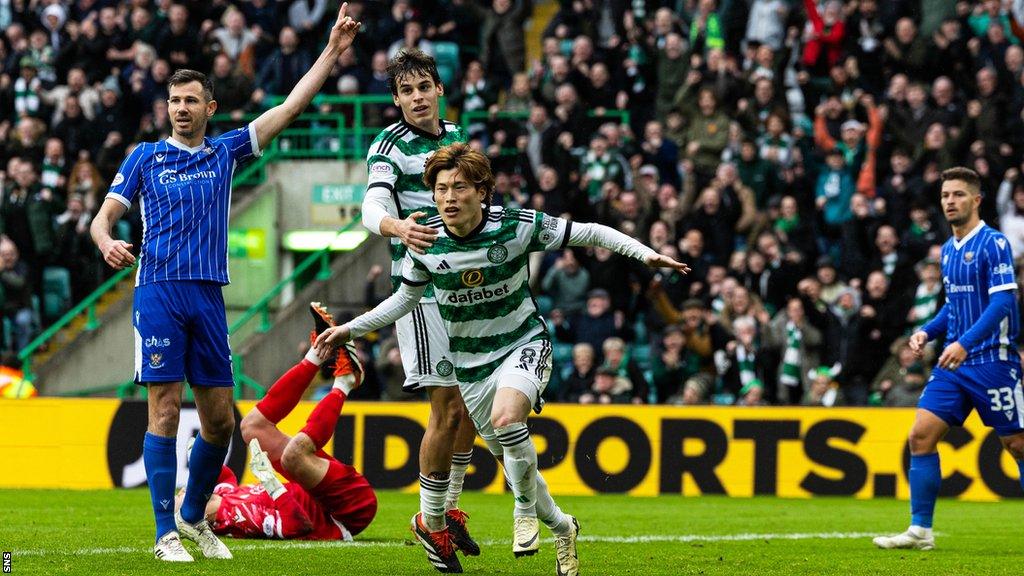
{"points": [[545, 353], [426, 343], [565, 239], [419, 340]]}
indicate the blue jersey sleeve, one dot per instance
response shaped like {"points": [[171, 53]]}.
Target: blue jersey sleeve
{"points": [[241, 143], [128, 180], [999, 264]]}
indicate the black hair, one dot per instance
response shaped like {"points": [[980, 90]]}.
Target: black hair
{"points": [[410, 63]]}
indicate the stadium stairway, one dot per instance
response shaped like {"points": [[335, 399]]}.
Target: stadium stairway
{"points": [[543, 12], [122, 292], [79, 359], [267, 355]]}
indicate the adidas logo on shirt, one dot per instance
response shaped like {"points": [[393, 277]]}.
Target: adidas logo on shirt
{"points": [[444, 265]]}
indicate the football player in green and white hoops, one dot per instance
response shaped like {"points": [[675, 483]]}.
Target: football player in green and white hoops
{"points": [[396, 201], [477, 267]]}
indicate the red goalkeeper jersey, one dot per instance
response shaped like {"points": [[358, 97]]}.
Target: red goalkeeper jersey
{"points": [[247, 511]]}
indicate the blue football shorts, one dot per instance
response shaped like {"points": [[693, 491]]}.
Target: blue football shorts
{"points": [[992, 388], [181, 333]]}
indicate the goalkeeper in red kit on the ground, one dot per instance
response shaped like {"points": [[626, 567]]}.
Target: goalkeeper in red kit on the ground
{"points": [[324, 498]]}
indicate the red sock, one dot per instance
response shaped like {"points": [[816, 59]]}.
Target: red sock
{"points": [[285, 394], [320, 425]]}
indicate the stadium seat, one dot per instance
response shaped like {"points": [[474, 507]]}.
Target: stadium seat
{"points": [[124, 230], [561, 355], [723, 399], [56, 292], [446, 54], [641, 354], [544, 305], [640, 328], [8, 334]]}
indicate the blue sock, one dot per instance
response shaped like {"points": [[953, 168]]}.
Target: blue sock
{"points": [[203, 469], [925, 479], [161, 467], [1020, 468]]}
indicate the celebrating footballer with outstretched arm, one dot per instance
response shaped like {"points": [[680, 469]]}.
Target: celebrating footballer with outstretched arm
{"points": [[183, 184], [979, 368], [501, 350], [396, 199]]}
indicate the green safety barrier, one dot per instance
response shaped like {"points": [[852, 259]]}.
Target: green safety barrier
{"points": [[87, 305], [344, 133], [471, 117], [260, 311], [312, 135]]}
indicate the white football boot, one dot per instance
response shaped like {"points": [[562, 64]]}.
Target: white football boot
{"points": [[915, 538], [567, 563], [203, 536], [525, 536], [169, 549]]}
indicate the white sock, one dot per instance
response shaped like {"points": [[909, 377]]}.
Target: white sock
{"points": [[921, 531], [520, 466], [548, 512], [345, 383], [312, 358], [432, 496], [460, 463]]}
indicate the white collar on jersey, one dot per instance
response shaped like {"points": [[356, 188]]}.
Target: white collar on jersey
{"points": [[180, 146], [958, 244]]}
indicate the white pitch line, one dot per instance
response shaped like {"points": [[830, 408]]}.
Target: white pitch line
{"points": [[300, 545]]}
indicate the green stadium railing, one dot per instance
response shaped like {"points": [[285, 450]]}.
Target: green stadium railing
{"points": [[478, 116], [312, 135], [260, 311], [474, 116], [344, 133], [262, 308], [92, 322]]}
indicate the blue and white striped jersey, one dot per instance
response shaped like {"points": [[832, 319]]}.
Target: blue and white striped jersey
{"points": [[973, 268], [185, 196]]}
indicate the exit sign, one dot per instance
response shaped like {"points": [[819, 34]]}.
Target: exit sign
{"points": [[338, 194]]}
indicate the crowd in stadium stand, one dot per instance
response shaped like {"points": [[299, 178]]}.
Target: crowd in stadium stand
{"points": [[789, 151]]}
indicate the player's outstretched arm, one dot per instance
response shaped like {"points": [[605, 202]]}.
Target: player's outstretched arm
{"points": [[386, 313], [273, 121], [583, 234], [662, 261], [116, 253]]}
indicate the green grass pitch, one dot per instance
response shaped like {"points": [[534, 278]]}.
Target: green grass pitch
{"points": [[108, 532]]}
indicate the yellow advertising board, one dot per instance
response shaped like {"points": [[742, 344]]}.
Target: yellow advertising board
{"points": [[639, 450]]}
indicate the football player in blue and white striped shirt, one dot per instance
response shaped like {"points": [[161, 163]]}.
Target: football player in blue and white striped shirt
{"points": [[183, 185], [979, 368]]}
